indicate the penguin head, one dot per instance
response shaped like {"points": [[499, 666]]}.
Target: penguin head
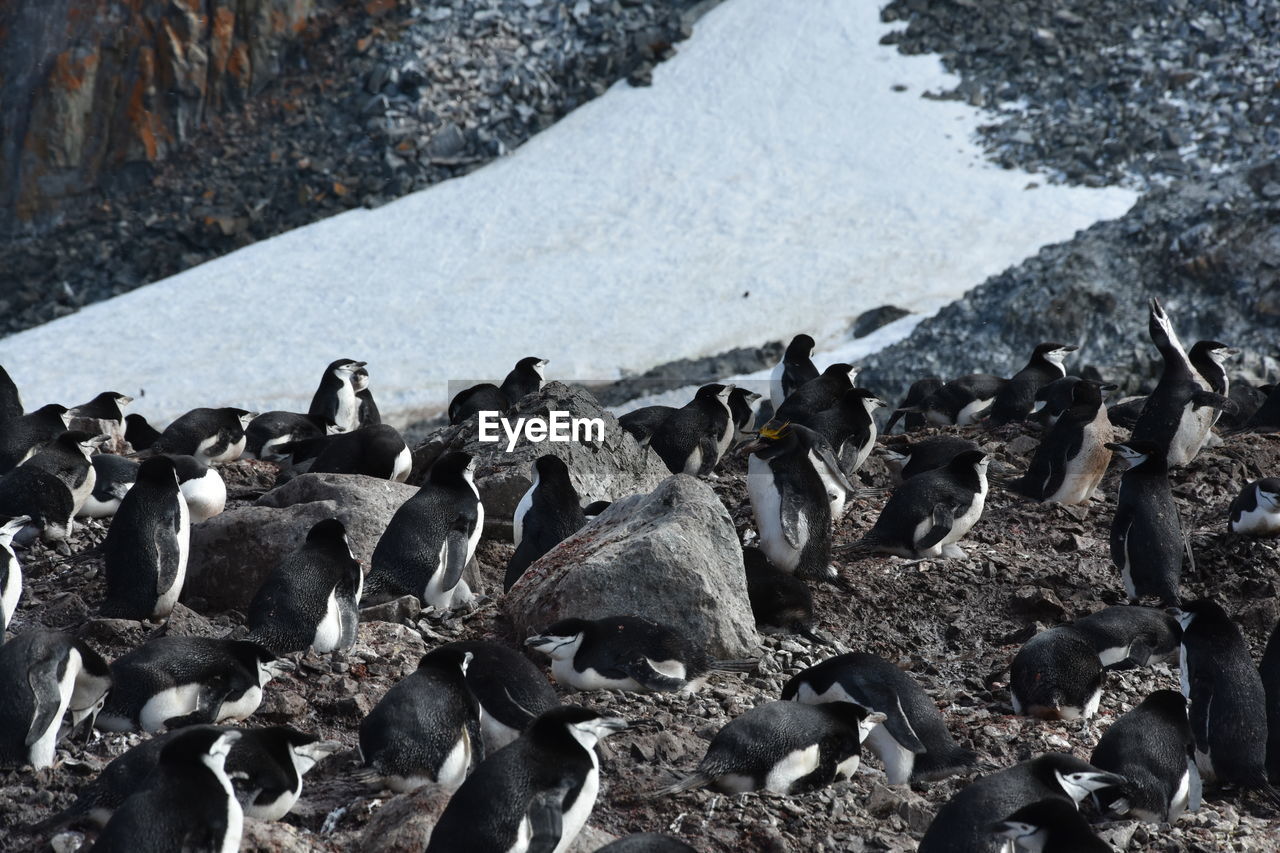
{"points": [[158, 471], [360, 379], [532, 364], [970, 461], [1215, 351], [188, 467], [329, 530], [1268, 491], [1203, 610], [584, 725], [855, 716], [1031, 827], [714, 391], [842, 370], [773, 440], [84, 443], [344, 368], [304, 750], [51, 411], [242, 416], [799, 350], [1077, 778], [257, 658], [1135, 453], [742, 395], [93, 682], [208, 746], [10, 527], [1053, 353], [452, 467], [1169, 704], [560, 640], [550, 468], [865, 399]]}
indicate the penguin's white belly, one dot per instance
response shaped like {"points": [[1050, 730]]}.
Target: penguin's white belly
{"points": [[1113, 654], [84, 491], [347, 417], [835, 492], [42, 751], [403, 465], [967, 416], [766, 505], [329, 631], [1085, 471], [94, 508], [845, 769], [590, 679], [1182, 796], [496, 734], [522, 508], [775, 385], [1188, 438], [453, 770], [794, 766], [575, 817], [171, 702], [277, 808], [169, 597], [242, 708], [1257, 522], [898, 761], [693, 462], [205, 496], [12, 588], [966, 520]]}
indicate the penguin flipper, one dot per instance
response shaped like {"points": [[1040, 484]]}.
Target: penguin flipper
{"points": [[710, 454], [546, 818], [944, 519], [828, 458], [646, 676], [42, 678], [454, 556], [795, 529]]}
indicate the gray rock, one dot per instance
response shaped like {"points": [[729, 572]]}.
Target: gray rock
{"points": [[677, 544]]}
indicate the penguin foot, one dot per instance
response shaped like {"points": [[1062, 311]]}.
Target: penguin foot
{"points": [[954, 552]]}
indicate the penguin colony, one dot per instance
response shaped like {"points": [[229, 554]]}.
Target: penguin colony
{"points": [[481, 721]]}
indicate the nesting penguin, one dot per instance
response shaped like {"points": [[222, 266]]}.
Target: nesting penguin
{"points": [[10, 571], [40, 496], [818, 394], [335, 399], [781, 603], [426, 728], [692, 439], [267, 432], [907, 460], [549, 513], [175, 681], [431, 538], [1256, 510], [24, 435], [375, 451], [536, 793], [961, 401], [912, 740], [1151, 747], [1056, 675], [1146, 534], [210, 435], [794, 369], [783, 747], [44, 677], [848, 427], [1070, 460], [103, 415], [1017, 397], [510, 689], [1050, 826], [311, 598], [67, 457], [1127, 635], [909, 410], [147, 545]]}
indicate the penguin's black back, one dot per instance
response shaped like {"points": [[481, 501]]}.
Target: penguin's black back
{"points": [[36, 493], [933, 453], [63, 458], [554, 516], [819, 393], [920, 391], [954, 484], [141, 550], [643, 422], [163, 662], [22, 433], [1149, 746], [269, 425], [371, 451], [485, 397], [753, 743], [1145, 510], [1147, 631], [1054, 668], [1017, 397], [183, 436], [613, 642], [140, 434], [509, 686], [700, 422]]}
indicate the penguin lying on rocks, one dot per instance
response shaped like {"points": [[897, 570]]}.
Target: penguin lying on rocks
{"points": [[267, 433], [1256, 510], [210, 435], [1056, 675], [910, 407]]}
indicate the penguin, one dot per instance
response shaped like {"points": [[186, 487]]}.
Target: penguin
{"points": [[202, 488], [431, 538], [912, 742], [627, 653], [147, 545], [794, 369], [210, 435], [535, 794], [47, 675], [1056, 675], [1269, 670], [1228, 703], [742, 406], [1151, 747], [1050, 826], [10, 399], [375, 451], [186, 803], [549, 513], [641, 423], [269, 430], [527, 377], [103, 415], [40, 496], [310, 600], [963, 824], [1054, 399], [139, 434], [783, 747], [335, 398], [367, 409], [1017, 397], [791, 502], [113, 476], [1265, 419], [1124, 413], [510, 689], [175, 681], [692, 439], [1256, 510], [1146, 533], [781, 603], [1070, 460], [10, 571], [818, 394], [1209, 358], [201, 485], [1127, 635], [1246, 399], [910, 407], [23, 436], [425, 729], [848, 427], [646, 842], [906, 461], [67, 457], [929, 513], [595, 509], [960, 401]]}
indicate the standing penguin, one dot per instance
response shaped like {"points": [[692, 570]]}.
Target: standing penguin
{"points": [[269, 430], [187, 803], [1056, 675], [147, 545], [510, 689], [963, 824], [912, 741], [67, 457], [46, 675], [539, 790], [10, 571], [1050, 826], [960, 401], [781, 603], [1127, 635], [790, 502], [848, 427], [1151, 747], [928, 514], [24, 435], [692, 439], [310, 600], [1017, 397], [783, 747], [103, 415], [368, 414], [335, 400], [10, 399], [1146, 533], [818, 394], [792, 370], [426, 727], [1256, 510], [1228, 701], [549, 513], [910, 407], [210, 435], [1069, 462], [431, 538]]}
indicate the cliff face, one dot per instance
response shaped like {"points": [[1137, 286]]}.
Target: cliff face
{"points": [[93, 92]]}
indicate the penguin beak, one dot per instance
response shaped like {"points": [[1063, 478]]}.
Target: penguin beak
{"points": [[123, 400], [752, 447]]}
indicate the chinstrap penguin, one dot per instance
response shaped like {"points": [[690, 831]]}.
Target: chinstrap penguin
{"points": [[147, 545]]}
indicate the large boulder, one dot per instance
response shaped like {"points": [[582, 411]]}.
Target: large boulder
{"points": [[610, 469], [672, 556]]}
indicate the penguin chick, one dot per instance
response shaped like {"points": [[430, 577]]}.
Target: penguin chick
{"points": [[24, 435], [549, 513], [1050, 826], [511, 690], [627, 653], [1069, 462], [1127, 635], [692, 439], [912, 742], [783, 747], [906, 461], [1151, 746], [311, 598], [910, 407], [1056, 675], [1017, 397], [335, 399], [1256, 510], [147, 545], [1146, 534], [210, 435], [781, 603], [794, 369]]}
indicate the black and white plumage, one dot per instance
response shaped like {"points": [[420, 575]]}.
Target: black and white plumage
{"points": [[41, 497], [536, 793], [818, 394], [1070, 460], [961, 401], [964, 824], [113, 477], [928, 514], [641, 423], [310, 600], [426, 728], [1017, 397], [186, 803], [335, 399], [848, 426], [1256, 510], [138, 433], [692, 439], [1056, 675], [201, 485], [1228, 704], [374, 451], [781, 603], [202, 488], [269, 430], [909, 410], [147, 545], [794, 369], [10, 571], [1151, 747], [367, 409], [67, 457], [783, 747], [210, 435], [46, 676], [511, 689], [907, 460], [1127, 635], [549, 513], [742, 406], [431, 538], [22, 436], [10, 399], [103, 415], [526, 378], [1146, 534], [912, 741], [1246, 400], [1050, 826], [175, 681]]}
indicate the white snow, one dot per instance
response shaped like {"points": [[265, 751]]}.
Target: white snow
{"points": [[769, 182]]}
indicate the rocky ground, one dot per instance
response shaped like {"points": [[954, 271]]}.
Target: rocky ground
{"points": [[954, 625]]}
